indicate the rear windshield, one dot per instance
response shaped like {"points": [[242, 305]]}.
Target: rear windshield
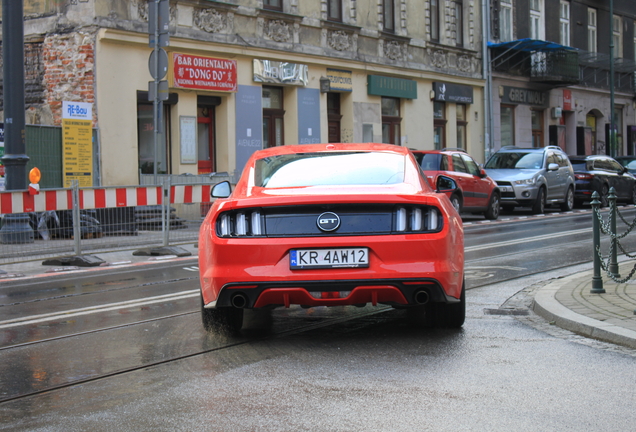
{"points": [[579, 166], [326, 169], [516, 160]]}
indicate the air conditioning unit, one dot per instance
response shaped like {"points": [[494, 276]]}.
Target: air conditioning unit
{"points": [[556, 112]]}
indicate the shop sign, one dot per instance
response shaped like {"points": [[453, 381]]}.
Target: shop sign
{"points": [[456, 93], [203, 73], [567, 100], [392, 87], [340, 80], [77, 142], [275, 72], [524, 96]]}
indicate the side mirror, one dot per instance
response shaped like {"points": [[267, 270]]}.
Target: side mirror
{"points": [[221, 190], [482, 173], [553, 167], [445, 184]]}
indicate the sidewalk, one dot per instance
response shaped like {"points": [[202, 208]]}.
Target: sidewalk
{"points": [[116, 259], [568, 303]]}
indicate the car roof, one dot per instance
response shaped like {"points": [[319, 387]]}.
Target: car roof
{"points": [[588, 157], [441, 151], [530, 149]]}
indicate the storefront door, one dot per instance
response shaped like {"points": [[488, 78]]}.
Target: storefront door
{"points": [[205, 139]]}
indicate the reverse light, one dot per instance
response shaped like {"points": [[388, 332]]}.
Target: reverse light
{"points": [[245, 223], [417, 219]]}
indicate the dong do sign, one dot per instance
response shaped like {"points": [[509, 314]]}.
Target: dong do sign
{"points": [[203, 73]]}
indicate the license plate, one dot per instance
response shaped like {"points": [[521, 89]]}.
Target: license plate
{"points": [[328, 258]]}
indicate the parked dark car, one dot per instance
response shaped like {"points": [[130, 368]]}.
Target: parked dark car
{"points": [[599, 173], [476, 193]]}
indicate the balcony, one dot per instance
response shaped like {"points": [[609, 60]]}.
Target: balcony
{"points": [[540, 61]]}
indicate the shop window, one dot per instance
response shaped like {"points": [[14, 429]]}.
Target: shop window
{"points": [[334, 10], [273, 4], [435, 20], [146, 140], [273, 117], [537, 128], [388, 15], [461, 126], [391, 120], [439, 125], [333, 117], [507, 119]]}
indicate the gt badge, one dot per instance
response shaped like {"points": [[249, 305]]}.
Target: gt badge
{"points": [[328, 221]]}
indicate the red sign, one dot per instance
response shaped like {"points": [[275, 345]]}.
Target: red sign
{"points": [[567, 100], [203, 73]]}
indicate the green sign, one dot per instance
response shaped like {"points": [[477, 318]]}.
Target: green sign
{"points": [[392, 87]]}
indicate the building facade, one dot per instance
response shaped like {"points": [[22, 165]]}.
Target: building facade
{"points": [[553, 75], [248, 74]]}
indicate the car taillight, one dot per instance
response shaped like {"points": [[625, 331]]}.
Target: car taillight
{"points": [[583, 176], [417, 219], [239, 224]]}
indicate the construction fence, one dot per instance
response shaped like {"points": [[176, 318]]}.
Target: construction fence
{"points": [[78, 221]]}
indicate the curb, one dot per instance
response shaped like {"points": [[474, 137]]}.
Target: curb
{"points": [[547, 306]]}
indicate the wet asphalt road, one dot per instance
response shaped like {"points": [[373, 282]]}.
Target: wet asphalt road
{"points": [[315, 369]]}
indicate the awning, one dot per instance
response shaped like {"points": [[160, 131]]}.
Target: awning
{"points": [[530, 45]]}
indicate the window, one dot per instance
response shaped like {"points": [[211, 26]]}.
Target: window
{"points": [[591, 30], [458, 164], [435, 20], [334, 10], [146, 136], [459, 23], [617, 36], [537, 30], [507, 116], [471, 165], [273, 117], [391, 121], [273, 4], [388, 14], [537, 128], [505, 20], [461, 125], [565, 22], [439, 125]]}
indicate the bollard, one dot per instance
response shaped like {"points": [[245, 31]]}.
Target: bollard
{"points": [[597, 280], [613, 261]]}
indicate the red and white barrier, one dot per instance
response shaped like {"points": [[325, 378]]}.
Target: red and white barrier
{"points": [[23, 202], [188, 194]]}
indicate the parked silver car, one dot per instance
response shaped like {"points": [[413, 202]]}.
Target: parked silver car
{"points": [[533, 177]]}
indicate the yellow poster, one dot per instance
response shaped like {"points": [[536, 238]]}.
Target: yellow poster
{"points": [[77, 142]]}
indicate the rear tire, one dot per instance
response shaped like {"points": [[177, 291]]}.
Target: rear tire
{"points": [[228, 319], [454, 314], [494, 206], [568, 204], [456, 201]]}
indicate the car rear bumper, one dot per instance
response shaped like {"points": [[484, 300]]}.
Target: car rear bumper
{"points": [[394, 292]]}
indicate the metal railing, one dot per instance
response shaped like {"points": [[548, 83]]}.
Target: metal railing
{"points": [[608, 227], [77, 221]]}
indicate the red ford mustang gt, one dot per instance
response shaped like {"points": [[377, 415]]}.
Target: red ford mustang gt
{"points": [[332, 225]]}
